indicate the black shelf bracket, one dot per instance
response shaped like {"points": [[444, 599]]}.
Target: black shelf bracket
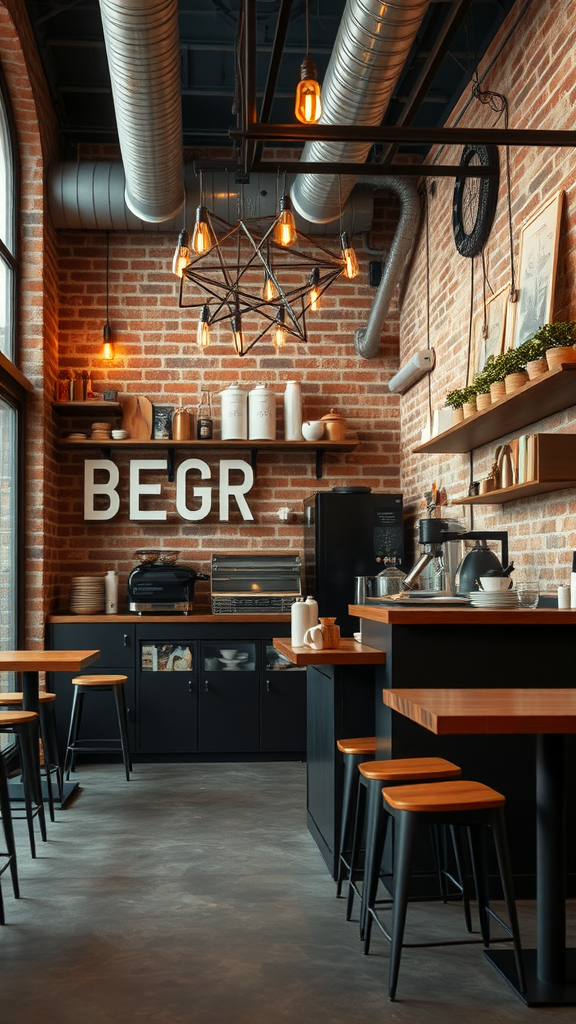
{"points": [[254, 459], [319, 460], [170, 454], [106, 452]]}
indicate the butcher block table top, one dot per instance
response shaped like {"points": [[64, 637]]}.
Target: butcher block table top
{"points": [[348, 652], [463, 615], [457, 712], [46, 661]]}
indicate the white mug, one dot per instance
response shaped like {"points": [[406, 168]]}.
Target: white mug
{"points": [[313, 638]]}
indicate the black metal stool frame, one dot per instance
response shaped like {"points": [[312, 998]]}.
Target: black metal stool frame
{"points": [[92, 745]]}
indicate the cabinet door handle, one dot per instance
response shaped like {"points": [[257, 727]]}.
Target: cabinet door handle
{"points": [[206, 686], [190, 686], [267, 686], [126, 640]]}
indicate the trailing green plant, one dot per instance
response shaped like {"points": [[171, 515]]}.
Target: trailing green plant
{"points": [[456, 398], [555, 335]]}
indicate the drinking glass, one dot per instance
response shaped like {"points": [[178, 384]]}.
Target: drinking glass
{"points": [[528, 593]]}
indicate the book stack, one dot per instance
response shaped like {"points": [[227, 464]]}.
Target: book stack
{"points": [[525, 455]]}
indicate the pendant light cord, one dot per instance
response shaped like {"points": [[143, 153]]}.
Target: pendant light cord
{"points": [[107, 278]]}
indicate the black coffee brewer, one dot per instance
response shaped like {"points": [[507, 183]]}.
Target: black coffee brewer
{"points": [[435, 534]]}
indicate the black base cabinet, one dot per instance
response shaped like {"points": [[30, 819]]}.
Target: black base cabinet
{"points": [[215, 689]]}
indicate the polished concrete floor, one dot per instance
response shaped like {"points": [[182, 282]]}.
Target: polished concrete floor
{"points": [[195, 895]]}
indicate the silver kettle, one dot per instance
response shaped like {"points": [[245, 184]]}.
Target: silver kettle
{"points": [[476, 563]]}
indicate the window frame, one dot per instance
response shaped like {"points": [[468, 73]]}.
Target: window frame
{"points": [[11, 259]]}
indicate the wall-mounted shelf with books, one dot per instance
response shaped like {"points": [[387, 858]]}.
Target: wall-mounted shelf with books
{"points": [[547, 394], [554, 468]]}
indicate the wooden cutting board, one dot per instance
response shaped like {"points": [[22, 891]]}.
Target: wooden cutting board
{"points": [[137, 417]]}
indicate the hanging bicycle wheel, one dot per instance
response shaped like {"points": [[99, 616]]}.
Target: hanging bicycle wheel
{"points": [[475, 201]]}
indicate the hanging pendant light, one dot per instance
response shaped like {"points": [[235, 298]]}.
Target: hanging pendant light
{"points": [[237, 333], [269, 292], [314, 293], [279, 337], [203, 335], [107, 343], [202, 238], [181, 254], [349, 256], [285, 230], [308, 104]]}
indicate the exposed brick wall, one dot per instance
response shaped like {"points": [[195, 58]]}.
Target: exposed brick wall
{"points": [[156, 356], [537, 73]]}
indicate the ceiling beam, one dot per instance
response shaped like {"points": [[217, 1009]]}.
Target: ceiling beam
{"points": [[431, 135], [402, 170]]}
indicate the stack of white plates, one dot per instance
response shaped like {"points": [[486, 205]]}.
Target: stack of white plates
{"points": [[120, 435], [494, 599], [87, 595]]}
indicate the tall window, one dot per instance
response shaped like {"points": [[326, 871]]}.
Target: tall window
{"points": [[10, 391], [7, 231]]}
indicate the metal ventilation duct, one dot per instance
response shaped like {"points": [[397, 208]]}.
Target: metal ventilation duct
{"points": [[142, 46], [371, 48], [367, 339], [89, 196]]}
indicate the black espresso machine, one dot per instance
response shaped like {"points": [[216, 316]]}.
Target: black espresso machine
{"points": [[159, 585]]}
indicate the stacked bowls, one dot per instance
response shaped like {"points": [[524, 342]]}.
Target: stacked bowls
{"points": [[87, 595]]}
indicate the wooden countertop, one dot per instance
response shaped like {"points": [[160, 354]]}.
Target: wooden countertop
{"points": [[463, 615], [348, 652], [451, 712], [195, 617], [46, 661]]}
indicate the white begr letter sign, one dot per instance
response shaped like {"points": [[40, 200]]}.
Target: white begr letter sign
{"points": [[91, 489], [139, 489]]}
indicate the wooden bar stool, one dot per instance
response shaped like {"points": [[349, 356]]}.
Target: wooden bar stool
{"points": [[354, 751], [24, 726], [455, 803], [94, 684], [371, 822], [49, 739]]}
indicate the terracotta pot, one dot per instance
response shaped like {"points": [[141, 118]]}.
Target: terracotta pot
{"points": [[469, 409], [457, 415], [535, 367], [514, 381], [483, 401], [556, 356], [497, 390]]}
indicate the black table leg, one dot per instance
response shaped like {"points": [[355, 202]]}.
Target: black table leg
{"points": [[551, 968], [31, 702]]}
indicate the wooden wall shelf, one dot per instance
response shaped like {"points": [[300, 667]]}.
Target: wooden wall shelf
{"points": [[555, 469], [254, 447], [87, 408], [547, 394]]}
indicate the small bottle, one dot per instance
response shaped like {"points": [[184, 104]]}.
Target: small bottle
{"points": [[311, 606], [111, 592], [573, 582], [298, 622], [204, 418]]}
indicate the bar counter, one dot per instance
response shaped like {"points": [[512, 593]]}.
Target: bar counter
{"points": [[455, 647]]}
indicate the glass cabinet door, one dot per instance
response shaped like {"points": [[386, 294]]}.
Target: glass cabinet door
{"points": [[174, 657], [276, 662], [229, 656]]}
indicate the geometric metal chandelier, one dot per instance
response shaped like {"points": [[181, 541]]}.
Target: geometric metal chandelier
{"points": [[260, 275]]}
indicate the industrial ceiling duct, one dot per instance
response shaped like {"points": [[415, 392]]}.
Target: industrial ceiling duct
{"points": [[89, 196], [371, 48], [367, 339], [142, 46]]}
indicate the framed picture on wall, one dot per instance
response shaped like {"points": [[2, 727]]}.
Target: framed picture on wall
{"points": [[537, 269], [492, 342]]}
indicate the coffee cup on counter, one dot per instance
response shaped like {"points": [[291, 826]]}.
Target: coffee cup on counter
{"points": [[313, 638]]}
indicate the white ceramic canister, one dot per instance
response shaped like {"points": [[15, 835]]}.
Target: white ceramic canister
{"points": [[293, 411], [234, 426], [261, 414]]}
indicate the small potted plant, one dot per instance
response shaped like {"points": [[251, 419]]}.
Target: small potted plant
{"points": [[513, 364], [492, 375], [469, 406], [456, 399], [559, 340], [534, 351], [481, 385]]}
